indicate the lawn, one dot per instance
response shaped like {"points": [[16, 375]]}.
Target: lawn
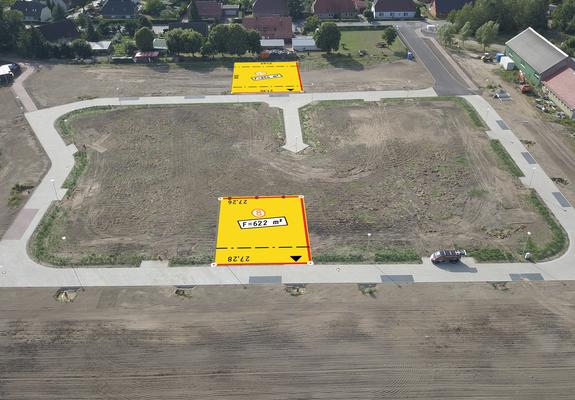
{"points": [[348, 55]]}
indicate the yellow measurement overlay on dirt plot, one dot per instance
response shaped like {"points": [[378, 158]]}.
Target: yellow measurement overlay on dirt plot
{"points": [[262, 230], [266, 77]]}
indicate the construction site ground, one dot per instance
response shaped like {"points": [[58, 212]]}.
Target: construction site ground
{"points": [[55, 84], [22, 160], [552, 144], [416, 341], [154, 176]]}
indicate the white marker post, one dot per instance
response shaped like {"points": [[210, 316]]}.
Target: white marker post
{"points": [[54, 187]]}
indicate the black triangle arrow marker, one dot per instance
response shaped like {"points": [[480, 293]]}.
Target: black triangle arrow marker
{"points": [[290, 89], [295, 258]]}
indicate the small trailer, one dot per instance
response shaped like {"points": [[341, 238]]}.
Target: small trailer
{"points": [[452, 256]]}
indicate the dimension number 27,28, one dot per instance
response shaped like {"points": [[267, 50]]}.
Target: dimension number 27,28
{"points": [[238, 259]]}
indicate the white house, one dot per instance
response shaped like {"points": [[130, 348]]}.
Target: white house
{"points": [[393, 9]]}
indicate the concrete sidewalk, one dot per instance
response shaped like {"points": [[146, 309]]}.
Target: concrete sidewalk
{"points": [[18, 270]]}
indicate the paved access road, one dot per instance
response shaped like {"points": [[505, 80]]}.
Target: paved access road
{"points": [[18, 270]]}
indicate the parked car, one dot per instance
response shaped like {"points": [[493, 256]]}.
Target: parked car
{"points": [[452, 256]]}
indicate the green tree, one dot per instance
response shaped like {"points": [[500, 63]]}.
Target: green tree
{"points": [[144, 39], [92, 35], [218, 37], [389, 34], [465, 32], [253, 39], [311, 24], [11, 26], [296, 8], [564, 17], [487, 33], [81, 48], [237, 39], [130, 27], [193, 41], [31, 44], [58, 13], [568, 46], [327, 37], [208, 49], [368, 14], [143, 21], [153, 7], [175, 40], [445, 33]]}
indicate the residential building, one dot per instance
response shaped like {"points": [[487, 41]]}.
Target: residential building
{"points": [[207, 10], [535, 56], [61, 31], [231, 10], [266, 8], [440, 8], [327, 9], [393, 9], [33, 11], [270, 27], [560, 87], [119, 9]]}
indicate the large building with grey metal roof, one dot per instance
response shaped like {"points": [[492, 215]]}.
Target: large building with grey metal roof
{"points": [[537, 57]]}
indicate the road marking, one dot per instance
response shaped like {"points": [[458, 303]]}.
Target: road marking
{"points": [[561, 199], [397, 278], [265, 279], [526, 277], [528, 157], [502, 124]]}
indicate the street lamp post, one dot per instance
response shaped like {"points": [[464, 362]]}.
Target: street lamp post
{"points": [[527, 241], [54, 187], [368, 240]]}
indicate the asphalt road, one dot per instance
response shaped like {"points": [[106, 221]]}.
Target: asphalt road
{"points": [[445, 83]]}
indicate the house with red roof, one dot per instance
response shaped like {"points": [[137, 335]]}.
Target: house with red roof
{"points": [[393, 9], [440, 8], [266, 8], [560, 88], [325, 9], [208, 9], [270, 27]]}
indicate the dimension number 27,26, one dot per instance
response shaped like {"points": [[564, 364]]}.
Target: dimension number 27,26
{"points": [[238, 259]]}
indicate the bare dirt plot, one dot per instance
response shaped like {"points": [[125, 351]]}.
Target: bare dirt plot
{"points": [[154, 176], [22, 160], [422, 341], [552, 144], [414, 174], [57, 84]]}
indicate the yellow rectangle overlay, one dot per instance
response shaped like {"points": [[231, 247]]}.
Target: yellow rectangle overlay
{"points": [[266, 77], [257, 230]]}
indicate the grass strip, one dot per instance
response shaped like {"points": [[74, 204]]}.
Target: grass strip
{"points": [[505, 158], [39, 246], [80, 164], [490, 254], [559, 239], [338, 258], [396, 255]]}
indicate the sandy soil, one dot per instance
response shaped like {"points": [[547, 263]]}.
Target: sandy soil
{"points": [[22, 159], [57, 84], [552, 144], [154, 176], [422, 341]]}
